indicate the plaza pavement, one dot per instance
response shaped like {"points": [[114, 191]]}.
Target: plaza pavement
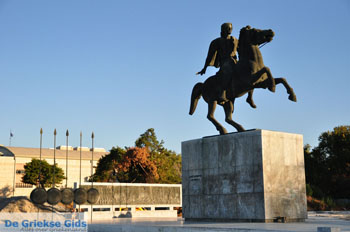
{"points": [[336, 221]]}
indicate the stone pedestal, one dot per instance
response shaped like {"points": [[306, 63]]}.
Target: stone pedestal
{"points": [[255, 175]]}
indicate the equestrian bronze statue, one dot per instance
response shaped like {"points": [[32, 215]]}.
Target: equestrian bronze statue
{"points": [[235, 78]]}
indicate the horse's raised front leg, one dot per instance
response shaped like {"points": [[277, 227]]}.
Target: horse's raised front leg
{"points": [[210, 116], [289, 89], [250, 99], [228, 107], [270, 82]]}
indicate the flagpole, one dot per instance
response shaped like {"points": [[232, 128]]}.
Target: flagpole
{"points": [[11, 135]]}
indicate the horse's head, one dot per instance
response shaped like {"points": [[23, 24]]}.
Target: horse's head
{"points": [[253, 36], [249, 38]]}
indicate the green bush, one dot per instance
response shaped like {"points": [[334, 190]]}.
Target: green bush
{"points": [[317, 192], [329, 202], [309, 191]]}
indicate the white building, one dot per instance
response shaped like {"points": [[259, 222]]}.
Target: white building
{"points": [[13, 159]]}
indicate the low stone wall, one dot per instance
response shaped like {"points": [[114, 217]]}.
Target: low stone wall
{"points": [[137, 194], [134, 200]]}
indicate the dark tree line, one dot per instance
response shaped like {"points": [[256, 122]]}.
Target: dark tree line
{"points": [[327, 166]]}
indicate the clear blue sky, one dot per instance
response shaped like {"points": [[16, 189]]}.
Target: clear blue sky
{"points": [[120, 67]]}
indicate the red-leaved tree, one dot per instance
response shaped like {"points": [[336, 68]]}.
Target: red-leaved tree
{"points": [[136, 166]]}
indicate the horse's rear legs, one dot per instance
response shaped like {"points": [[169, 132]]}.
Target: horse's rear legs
{"points": [[210, 116], [289, 89], [228, 107]]}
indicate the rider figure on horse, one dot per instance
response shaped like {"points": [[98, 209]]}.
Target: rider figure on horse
{"points": [[222, 54]]}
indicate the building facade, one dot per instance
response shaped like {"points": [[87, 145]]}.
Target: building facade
{"points": [[13, 159]]}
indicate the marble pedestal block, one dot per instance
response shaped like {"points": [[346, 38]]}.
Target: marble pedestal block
{"points": [[256, 175]]}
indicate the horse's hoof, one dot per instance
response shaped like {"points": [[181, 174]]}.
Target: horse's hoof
{"points": [[223, 131], [292, 97], [251, 103], [239, 128]]}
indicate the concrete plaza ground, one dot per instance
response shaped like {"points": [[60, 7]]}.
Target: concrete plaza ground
{"points": [[339, 220]]}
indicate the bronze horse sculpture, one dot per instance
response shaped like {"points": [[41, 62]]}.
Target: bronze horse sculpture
{"points": [[248, 74]]}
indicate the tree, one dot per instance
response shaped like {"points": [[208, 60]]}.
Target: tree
{"points": [[169, 167], [46, 173], [328, 164], [137, 167], [149, 140], [106, 170], [148, 162], [316, 172], [126, 165], [168, 162]]}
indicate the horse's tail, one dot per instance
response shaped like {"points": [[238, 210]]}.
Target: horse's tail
{"points": [[195, 96]]}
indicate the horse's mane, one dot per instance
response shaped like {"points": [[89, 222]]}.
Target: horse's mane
{"points": [[242, 41]]}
